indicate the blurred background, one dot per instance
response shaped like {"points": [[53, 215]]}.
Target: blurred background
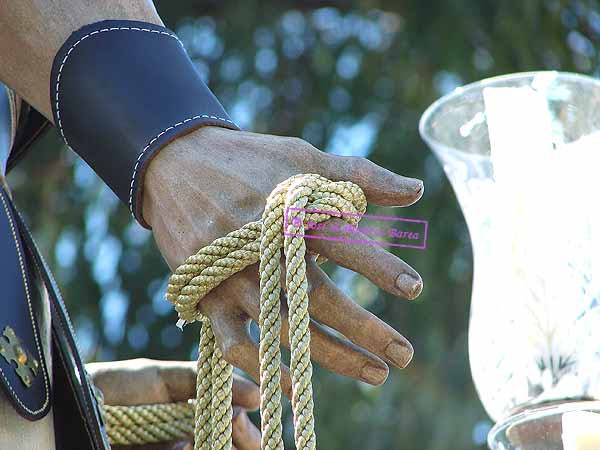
{"points": [[352, 78]]}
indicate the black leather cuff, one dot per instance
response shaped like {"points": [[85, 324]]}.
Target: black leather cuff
{"points": [[121, 90]]}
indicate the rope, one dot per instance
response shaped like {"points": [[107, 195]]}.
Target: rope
{"points": [[129, 425], [288, 210], [144, 424]]}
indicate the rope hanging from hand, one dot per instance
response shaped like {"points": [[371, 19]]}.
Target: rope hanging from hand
{"points": [[291, 205]]}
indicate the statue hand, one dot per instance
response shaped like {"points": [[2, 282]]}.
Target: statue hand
{"points": [[213, 181], [146, 381]]}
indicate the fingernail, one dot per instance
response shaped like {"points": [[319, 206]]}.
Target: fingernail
{"points": [[374, 374], [418, 186], [399, 353], [410, 286]]}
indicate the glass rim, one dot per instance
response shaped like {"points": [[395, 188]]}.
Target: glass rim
{"points": [[539, 412], [469, 87]]}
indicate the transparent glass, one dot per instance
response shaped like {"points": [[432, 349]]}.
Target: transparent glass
{"points": [[522, 153]]}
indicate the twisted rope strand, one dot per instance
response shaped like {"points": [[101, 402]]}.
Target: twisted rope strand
{"points": [[203, 409], [221, 411], [299, 336]]}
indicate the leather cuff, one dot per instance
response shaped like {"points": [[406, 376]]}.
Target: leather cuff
{"points": [[121, 90]]}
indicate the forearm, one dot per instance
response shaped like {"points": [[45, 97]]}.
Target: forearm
{"points": [[32, 31]]}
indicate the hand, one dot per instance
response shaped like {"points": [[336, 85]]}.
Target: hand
{"points": [[213, 181], [146, 381]]}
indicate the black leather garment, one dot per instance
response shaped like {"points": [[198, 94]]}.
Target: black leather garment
{"points": [[122, 90]]}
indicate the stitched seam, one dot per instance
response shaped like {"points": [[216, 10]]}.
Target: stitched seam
{"points": [[37, 344], [154, 139], [62, 64]]}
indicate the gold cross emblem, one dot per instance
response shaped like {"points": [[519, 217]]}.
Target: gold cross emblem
{"points": [[13, 351]]}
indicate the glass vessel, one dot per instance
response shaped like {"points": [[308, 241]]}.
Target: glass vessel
{"points": [[522, 152]]}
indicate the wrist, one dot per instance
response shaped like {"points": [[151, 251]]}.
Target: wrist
{"points": [[168, 174], [158, 180]]}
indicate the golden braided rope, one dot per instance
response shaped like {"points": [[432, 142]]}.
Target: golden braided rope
{"points": [[262, 241], [129, 425], [146, 424]]}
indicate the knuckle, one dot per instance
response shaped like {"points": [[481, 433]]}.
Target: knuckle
{"points": [[344, 165], [361, 168], [303, 149], [361, 165]]}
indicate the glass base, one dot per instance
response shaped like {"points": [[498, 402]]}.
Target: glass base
{"points": [[562, 426]]}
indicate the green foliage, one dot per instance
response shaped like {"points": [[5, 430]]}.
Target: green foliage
{"points": [[351, 79]]}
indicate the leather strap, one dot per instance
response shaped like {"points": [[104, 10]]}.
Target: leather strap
{"points": [[66, 350], [122, 90]]}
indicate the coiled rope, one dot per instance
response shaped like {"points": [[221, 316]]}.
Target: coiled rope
{"points": [[291, 205]]}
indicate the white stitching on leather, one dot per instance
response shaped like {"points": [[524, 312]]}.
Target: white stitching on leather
{"points": [[153, 140], [62, 64], [37, 344], [57, 103]]}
